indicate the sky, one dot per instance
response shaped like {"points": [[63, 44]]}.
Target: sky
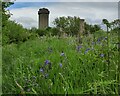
{"points": [[63, 0], [26, 13]]}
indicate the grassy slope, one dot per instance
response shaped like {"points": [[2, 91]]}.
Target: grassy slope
{"points": [[80, 72]]}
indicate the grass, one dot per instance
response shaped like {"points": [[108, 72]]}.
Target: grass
{"points": [[49, 65]]}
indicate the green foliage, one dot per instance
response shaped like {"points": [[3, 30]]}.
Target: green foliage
{"points": [[115, 24], [69, 25], [84, 70], [41, 32], [90, 29], [50, 65], [14, 33], [46, 32], [11, 31], [106, 22], [54, 31], [5, 13]]}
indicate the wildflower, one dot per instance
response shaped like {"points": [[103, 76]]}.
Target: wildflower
{"points": [[47, 62], [61, 65], [98, 40], [93, 43], [102, 55], [105, 38], [87, 50], [79, 47], [41, 69], [49, 49], [46, 75], [62, 54]]}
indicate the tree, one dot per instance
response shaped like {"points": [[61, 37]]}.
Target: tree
{"points": [[5, 13], [105, 21], [68, 25], [97, 27], [115, 24], [91, 28], [11, 31]]}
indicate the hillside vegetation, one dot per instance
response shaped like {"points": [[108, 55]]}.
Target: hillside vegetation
{"points": [[38, 61]]}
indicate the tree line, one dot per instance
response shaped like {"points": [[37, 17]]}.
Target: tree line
{"points": [[13, 32]]}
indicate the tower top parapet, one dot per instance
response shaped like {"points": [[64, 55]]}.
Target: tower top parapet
{"points": [[43, 11]]}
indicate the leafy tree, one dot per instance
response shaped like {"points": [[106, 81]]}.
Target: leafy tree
{"points": [[87, 29], [115, 24], [96, 27], [13, 32], [105, 21], [5, 13], [60, 23], [33, 29], [41, 32], [54, 31], [69, 25], [91, 28]]}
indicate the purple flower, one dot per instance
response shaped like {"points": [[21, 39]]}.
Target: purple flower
{"points": [[46, 75], [61, 65], [102, 55], [87, 50], [62, 54], [93, 43], [98, 40], [41, 69], [79, 47], [47, 62], [105, 38], [49, 49]]}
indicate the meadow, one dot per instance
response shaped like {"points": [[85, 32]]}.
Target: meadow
{"points": [[53, 65]]}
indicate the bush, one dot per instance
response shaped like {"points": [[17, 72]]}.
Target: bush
{"points": [[14, 33], [41, 32]]}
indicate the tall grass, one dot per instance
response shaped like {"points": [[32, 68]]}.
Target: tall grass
{"points": [[53, 65]]}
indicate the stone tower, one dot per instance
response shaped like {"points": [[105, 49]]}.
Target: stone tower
{"points": [[43, 18]]}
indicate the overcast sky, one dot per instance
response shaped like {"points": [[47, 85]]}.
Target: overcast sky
{"points": [[26, 13], [63, 0]]}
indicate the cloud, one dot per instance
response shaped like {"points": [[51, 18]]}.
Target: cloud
{"points": [[93, 13], [25, 16], [27, 22], [67, 0]]}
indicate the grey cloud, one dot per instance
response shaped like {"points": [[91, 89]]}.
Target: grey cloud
{"points": [[98, 5], [93, 12], [67, 0], [26, 21], [93, 21]]}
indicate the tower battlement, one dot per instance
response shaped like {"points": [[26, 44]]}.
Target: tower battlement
{"points": [[43, 18]]}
